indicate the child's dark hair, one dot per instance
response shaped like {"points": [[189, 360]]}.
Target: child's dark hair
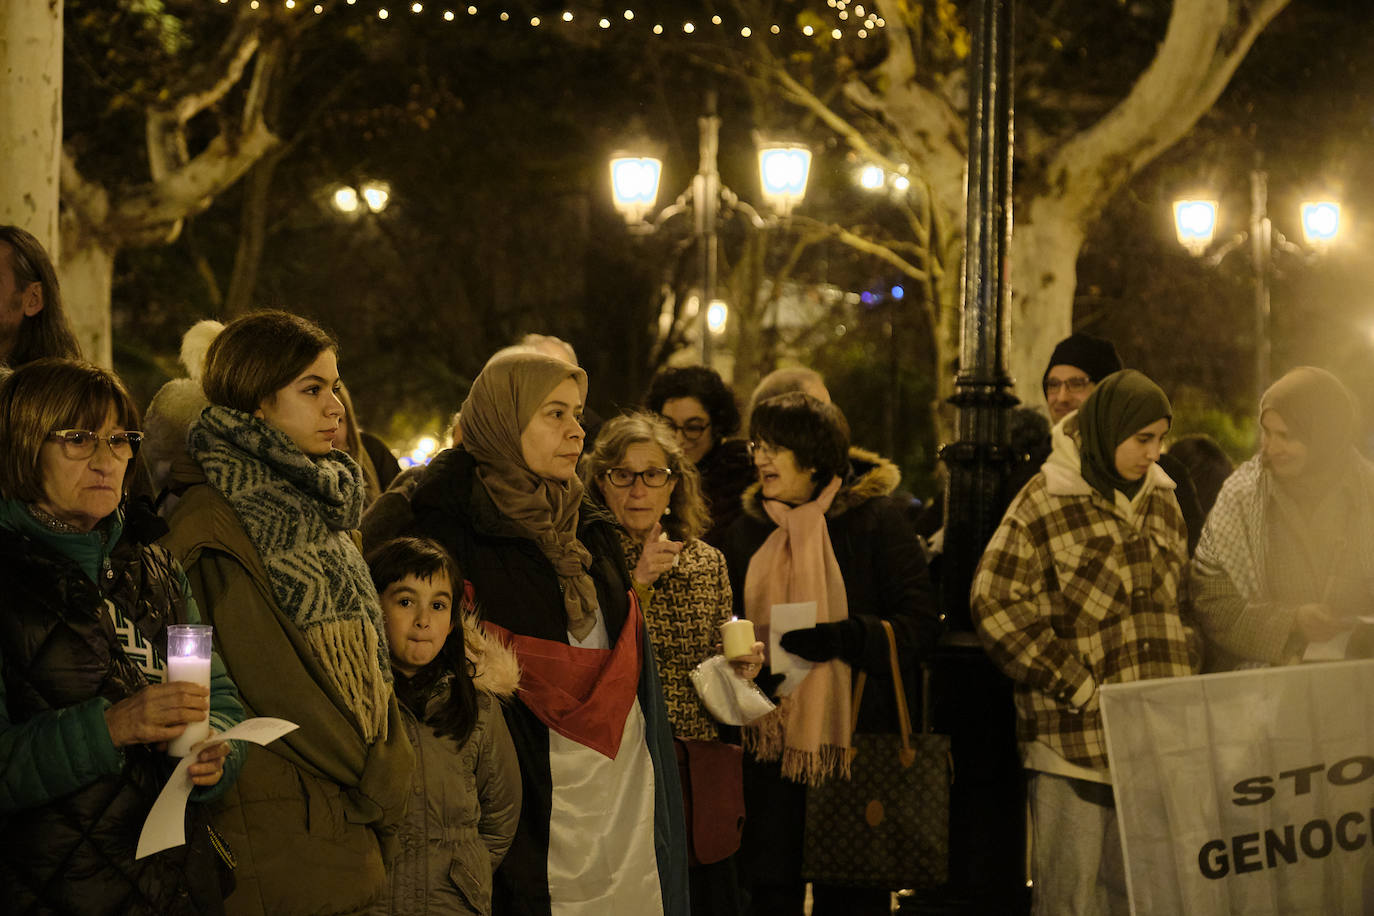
{"points": [[425, 559]]}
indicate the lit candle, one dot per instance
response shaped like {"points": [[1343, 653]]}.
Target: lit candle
{"points": [[188, 659], [738, 636]]}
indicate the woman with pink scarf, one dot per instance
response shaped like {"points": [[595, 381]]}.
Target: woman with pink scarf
{"points": [[819, 526]]}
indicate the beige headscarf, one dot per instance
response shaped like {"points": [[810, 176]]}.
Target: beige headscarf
{"points": [[502, 401]]}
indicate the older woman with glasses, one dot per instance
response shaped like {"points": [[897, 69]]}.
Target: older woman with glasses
{"points": [[701, 410], [86, 703], [814, 530], [641, 474]]}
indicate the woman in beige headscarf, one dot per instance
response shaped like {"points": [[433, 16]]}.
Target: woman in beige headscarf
{"points": [[601, 827], [1286, 561]]}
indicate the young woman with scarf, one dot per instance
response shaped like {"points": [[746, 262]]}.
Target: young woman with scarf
{"points": [[1286, 559], [601, 827], [1079, 587], [814, 531], [265, 529]]}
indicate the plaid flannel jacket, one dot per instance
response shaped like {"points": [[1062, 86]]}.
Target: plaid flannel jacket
{"points": [[1070, 594]]}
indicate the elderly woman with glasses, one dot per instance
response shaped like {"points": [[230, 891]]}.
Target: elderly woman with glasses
{"points": [[86, 703], [817, 531], [641, 475], [701, 410]]}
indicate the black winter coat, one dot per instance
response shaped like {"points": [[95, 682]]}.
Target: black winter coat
{"points": [[885, 577], [75, 853]]}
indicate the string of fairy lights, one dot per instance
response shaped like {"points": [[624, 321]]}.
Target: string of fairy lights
{"points": [[856, 19]]}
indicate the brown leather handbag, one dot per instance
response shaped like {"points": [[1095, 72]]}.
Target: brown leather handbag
{"points": [[887, 826]]}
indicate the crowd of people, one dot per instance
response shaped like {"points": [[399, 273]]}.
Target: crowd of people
{"points": [[490, 658]]}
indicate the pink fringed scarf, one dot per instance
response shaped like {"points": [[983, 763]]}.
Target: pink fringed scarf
{"points": [[810, 728]]}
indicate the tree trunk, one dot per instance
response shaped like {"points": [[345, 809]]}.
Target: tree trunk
{"points": [[1044, 262], [87, 275], [257, 202], [31, 113]]}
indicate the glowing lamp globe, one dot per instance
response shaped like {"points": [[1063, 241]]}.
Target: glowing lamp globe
{"points": [[634, 185], [1321, 221], [1196, 224], [783, 171]]}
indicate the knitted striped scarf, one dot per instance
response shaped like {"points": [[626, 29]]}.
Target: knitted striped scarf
{"points": [[300, 513]]}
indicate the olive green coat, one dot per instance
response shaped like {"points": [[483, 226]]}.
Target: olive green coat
{"points": [[313, 815]]}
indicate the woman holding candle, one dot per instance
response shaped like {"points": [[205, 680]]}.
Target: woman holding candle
{"points": [[87, 705], [601, 827], [264, 527], [814, 531], [641, 474]]}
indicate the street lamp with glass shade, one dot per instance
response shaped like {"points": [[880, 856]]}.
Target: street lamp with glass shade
{"points": [[872, 177], [634, 186], [1195, 221], [345, 200], [716, 316], [783, 171], [376, 194], [1321, 221]]}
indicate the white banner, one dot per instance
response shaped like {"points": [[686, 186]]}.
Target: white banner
{"points": [[1250, 792]]}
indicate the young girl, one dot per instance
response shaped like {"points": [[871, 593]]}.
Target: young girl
{"points": [[448, 678]]}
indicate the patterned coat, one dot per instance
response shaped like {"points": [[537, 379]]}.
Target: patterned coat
{"points": [[1262, 556], [685, 608], [1074, 591]]}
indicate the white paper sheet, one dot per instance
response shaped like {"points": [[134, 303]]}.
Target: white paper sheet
{"points": [[1331, 650], [166, 823], [784, 618]]}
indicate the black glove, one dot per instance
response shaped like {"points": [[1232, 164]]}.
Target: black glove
{"points": [[824, 641]]}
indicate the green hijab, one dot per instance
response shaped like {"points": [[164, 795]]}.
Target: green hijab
{"points": [[1120, 406]]}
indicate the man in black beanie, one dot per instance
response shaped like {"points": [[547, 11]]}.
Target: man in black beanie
{"points": [[1078, 363]]}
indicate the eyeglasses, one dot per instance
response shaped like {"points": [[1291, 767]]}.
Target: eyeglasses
{"points": [[652, 477], [691, 430], [763, 449], [80, 444], [1071, 385]]}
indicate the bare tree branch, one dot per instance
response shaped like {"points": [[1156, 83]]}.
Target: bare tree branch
{"points": [[150, 213], [1203, 44], [204, 86]]}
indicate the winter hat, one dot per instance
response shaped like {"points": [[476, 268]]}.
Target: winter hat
{"points": [[1121, 405], [1096, 356], [177, 404]]}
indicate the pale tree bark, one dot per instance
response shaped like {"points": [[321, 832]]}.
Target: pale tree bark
{"points": [[1204, 42], [97, 223], [31, 115]]}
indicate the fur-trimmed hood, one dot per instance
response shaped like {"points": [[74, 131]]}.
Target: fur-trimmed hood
{"points": [[870, 476], [498, 669]]}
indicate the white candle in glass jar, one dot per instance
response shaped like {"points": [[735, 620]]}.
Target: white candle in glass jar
{"points": [[188, 659], [738, 637]]}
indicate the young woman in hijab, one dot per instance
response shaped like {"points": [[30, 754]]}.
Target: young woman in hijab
{"points": [[601, 827], [1089, 555], [1287, 557]]}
